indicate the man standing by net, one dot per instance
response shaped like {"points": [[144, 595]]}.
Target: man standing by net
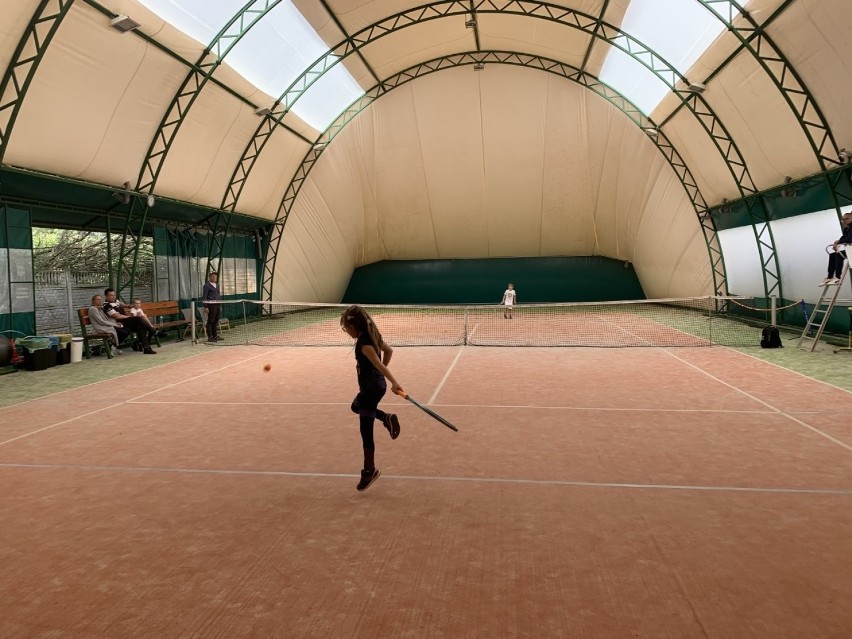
{"points": [[210, 293]]}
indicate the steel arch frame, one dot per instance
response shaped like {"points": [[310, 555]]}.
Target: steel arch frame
{"points": [[200, 73], [590, 25], [500, 57], [222, 222], [784, 75], [24, 63]]}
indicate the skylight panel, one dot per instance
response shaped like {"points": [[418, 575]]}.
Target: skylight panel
{"points": [[678, 31], [271, 55]]}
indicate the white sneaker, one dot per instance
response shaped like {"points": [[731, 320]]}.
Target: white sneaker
{"points": [[835, 280], [826, 281]]}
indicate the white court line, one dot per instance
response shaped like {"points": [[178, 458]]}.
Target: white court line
{"points": [[494, 406], [117, 404], [477, 480], [446, 375], [789, 370], [767, 404]]}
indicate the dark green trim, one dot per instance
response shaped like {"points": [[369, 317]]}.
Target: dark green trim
{"points": [[813, 193], [60, 202]]}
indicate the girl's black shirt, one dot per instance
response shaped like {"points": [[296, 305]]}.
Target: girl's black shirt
{"points": [[367, 372]]}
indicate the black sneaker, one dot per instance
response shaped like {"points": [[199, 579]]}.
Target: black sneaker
{"points": [[392, 424], [368, 477]]}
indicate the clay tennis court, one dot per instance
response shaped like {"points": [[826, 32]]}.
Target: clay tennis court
{"points": [[683, 492]]}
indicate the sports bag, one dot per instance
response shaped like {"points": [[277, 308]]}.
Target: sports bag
{"points": [[771, 338]]}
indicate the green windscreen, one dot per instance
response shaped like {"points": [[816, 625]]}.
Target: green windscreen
{"points": [[482, 281]]}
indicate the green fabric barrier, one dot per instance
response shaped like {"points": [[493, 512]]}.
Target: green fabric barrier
{"points": [[482, 281], [16, 240]]}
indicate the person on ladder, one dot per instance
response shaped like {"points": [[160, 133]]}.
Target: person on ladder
{"points": [[837, 257]]}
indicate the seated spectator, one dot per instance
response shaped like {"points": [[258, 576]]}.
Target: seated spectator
{"points": [[102, 323], [143, 329], [136, 311], [838, 255]]}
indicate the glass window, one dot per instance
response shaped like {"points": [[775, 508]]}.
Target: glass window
{"points": [[271, 55], [679, 31]]}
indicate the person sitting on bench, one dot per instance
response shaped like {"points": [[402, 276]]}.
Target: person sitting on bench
{"points": [[142, 327], [101, 323]]}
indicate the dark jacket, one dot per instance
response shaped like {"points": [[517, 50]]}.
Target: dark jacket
{"points": [[210, 292]]}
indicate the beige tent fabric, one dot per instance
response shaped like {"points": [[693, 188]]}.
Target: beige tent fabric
{"points": [[504, 162], [462, 169]]}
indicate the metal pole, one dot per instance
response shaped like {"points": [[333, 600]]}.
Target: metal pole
{"points": [[773, 301], [192, 308], [69, 296]]}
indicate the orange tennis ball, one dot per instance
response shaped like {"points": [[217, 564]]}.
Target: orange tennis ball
{"points": [[267, 368]]}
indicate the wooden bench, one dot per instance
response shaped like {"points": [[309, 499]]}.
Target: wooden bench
{"points": [[160, 315], [165, 315]]}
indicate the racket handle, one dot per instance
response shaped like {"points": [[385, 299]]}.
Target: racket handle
{"points": [[402, 394]]}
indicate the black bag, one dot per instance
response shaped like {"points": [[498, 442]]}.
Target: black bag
{"points": [[771, 338]]}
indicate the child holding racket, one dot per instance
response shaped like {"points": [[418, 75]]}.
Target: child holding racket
{"points": [[372, 369]]}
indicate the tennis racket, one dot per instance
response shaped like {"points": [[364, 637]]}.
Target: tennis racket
{"points": [[428, 411]]}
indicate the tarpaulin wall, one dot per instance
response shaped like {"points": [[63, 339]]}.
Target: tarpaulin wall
{"points": [[536, 280], [17, 295], [180, 263]]}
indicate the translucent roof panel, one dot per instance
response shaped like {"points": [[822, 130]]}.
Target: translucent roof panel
{"points": [[271, 55], [678, 31]]}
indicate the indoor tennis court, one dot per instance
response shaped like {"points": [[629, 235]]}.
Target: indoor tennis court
{"points": [[679, 492], [608, 243]]}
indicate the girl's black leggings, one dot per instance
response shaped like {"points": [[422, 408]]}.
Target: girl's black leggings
{"points": [[366, 404]]}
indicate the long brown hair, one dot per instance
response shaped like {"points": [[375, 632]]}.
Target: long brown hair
{"points": [[360, 320]]}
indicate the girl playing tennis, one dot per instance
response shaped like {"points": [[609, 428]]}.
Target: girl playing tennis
{"points": [[372, 370]]}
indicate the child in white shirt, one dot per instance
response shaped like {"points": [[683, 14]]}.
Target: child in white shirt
{"points": [[509, 297]]}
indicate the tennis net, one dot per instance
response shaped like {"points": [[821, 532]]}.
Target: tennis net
{"points": [[697, 321]]}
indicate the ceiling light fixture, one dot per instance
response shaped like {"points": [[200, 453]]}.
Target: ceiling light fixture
{"points": [[123, 24]]}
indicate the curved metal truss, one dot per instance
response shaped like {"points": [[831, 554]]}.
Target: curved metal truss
{"points": [[199, 74], [25, 62], [500, 57], [591, 25], [763, 49], [208, 62]]}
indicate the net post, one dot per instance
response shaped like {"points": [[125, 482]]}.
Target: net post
{"points": [[773, 305], [245, 321], [192, 308], [464, 332]]}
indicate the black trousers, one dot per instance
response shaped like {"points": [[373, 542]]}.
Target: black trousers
{"points": [[213, 313], [835, 263], [138, 326], [366, 404]]}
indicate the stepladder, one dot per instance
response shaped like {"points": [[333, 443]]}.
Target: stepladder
{"points": [[821, 313]]}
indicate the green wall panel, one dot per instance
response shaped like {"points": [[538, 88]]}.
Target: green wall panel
{"points": [[17, 295], [482, 281]]}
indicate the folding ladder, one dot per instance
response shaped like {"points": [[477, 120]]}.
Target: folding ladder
{"points": [[822, 311]]}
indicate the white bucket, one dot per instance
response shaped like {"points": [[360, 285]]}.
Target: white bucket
{"points": [[76, 350]]}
